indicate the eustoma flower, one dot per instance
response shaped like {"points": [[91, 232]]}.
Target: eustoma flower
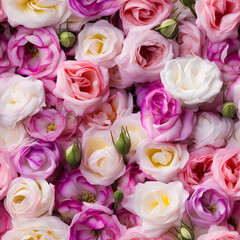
{"points": [[82, 85], [5, 219], [35, 14], [159, 205], [36, 52]]}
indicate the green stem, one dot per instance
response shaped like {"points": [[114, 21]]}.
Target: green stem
{"points": [[115, 207], [193, 12], [125, 159]]}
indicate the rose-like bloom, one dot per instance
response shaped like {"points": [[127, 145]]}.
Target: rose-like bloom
{"points": [[36, 52], [197, 169], [135, 233], [35, 14], [82, 85], [211, 129], [226, 55], [144, 14], [46, 125], [159, 205], [220, 19], [234, 96], [100, 43], [163, 117], [135, 129], [37, 159], [161, 161], [190, 39], [226, 170], [101, 163], [219, 233], [19, 97], [5, 219], [95, 223], [208, 205], [118, 104], [192, 80], [93, 9], [132, 176], [7, 173], [72, 190], [144, 55], [46, 227], [29, 198], [13, 138]]}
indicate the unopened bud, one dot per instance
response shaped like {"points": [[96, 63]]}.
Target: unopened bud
{"points": [[67, 39], [168, 28], [228, 110], [185, 233], [118, 196], [73, 154]]}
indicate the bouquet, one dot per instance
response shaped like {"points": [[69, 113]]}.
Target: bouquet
{"points": [[119, 119]]}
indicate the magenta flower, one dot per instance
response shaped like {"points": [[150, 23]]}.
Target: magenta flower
{"points": [[37, 159], [226, 55], [208, 206], [46, 125], [5, 220], [93, 8], [72, 190], [96, 223], [163, 117], [36, 52]]}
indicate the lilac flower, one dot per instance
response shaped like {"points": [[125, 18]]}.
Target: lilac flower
{"points": [[96, 223], [208, 205], [72, 190]]}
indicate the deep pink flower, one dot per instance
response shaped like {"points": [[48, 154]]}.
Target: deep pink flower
{"points": [[5, 220], [36, 52]]}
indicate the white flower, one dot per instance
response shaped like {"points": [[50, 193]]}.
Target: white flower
{"points": [[19, 98], [159, 205], [192, 80], [28, 198], [35, 13], [13, 138], [100, 43], [211, 129], [101, 163], [162, 161], [46, 227]]}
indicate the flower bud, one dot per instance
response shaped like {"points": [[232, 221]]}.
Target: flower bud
{"points": [[67, 39], [185, 232], [187, 3], [118, 196], [168, 28], [123, 143], [228, 110], [73, 155]]}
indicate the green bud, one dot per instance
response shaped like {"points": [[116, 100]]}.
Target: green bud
{"points": [[73, 154], [228, 110], [67, 39], [123, 143], [185, 233], [168, 28], [187, 3], [118, 196]]}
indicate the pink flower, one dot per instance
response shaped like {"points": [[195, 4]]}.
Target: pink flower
{"points": [[142, 13], [2, 13], [5, 220], [144, 55], [219, 18], [36, 52], [197, 169], [190, 39], [7, 174], [226, 170], [219, 233], [226, 55], [46, 125], [82, 85]]}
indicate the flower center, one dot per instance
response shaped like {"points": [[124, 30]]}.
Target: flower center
{"points": [[29, 47], [87, 197], [51, 127], [160, 157], [234, 223]]}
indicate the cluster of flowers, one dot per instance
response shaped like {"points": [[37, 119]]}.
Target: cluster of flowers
{"points": [[119, 119]]}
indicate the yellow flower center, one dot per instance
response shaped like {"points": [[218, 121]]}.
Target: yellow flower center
{"points": [[51, 127], [87, 197]]}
